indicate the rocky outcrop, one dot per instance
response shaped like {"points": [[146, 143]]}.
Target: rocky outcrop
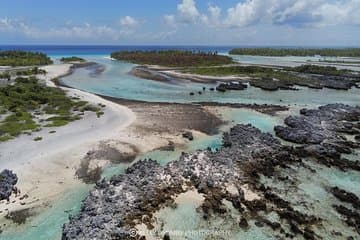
{"points": [[322, 133], [346, 196], [114, 207], [188, 135], [351, 217], [270, 84], [8, 180], [223, 87], [247, 156]]}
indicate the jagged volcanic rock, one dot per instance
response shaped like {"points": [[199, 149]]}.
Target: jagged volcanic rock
{"points": [[7, 181], [322, 132]]}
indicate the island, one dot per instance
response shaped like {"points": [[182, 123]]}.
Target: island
{"points": [[302, 52], [173, 58], [23, 58], [72, 59]]}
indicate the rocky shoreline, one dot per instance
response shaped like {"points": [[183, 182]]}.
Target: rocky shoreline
{"points": [[115, 207], [322, 132], [316, 81], [8, 180]]}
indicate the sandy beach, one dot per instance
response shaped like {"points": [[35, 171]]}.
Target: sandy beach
{"points": [[47, 168]]}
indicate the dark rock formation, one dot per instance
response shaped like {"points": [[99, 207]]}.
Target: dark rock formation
{"points": [[7, 182], [351, 217], [269, 84], [223, 87], [116, 206], [188, 135], [345, 196], [244, 223], [321, 131]]}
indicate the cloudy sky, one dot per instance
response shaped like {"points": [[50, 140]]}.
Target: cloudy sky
{"points": [[181, 22]]}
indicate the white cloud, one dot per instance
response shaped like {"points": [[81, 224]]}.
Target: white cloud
{"points": [[215, 11], [245, 13], [84, 31], [170, 20], [128, 22], [214, 16], [5, 24], [297, 13], [341, 13], [188, 11]]}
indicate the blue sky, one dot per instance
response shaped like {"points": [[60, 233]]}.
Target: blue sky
{"points": [[181, 22]]}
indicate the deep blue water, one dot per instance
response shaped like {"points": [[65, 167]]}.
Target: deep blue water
{"points": [[54, 50]]}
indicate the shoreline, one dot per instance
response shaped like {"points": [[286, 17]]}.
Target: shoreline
{"points": [[46, 168], [312, 80], [242, 175]]}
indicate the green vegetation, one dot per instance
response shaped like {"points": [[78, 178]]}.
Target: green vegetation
{"points": [[250, 71], [15, 124], [322, 70], [30, 71], [232, 70], [338, 52], [339, 61], [5, 75], [256, 71], [22, 58], [173, 58], [72, 59], [99, 113], [38, 139], [285, 78], [21, 103]]}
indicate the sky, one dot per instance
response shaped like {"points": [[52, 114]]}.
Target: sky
{"points": [[181, 22]]}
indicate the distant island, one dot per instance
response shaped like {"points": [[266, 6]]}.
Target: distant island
{"points": [[173, 58], [300, 52], [72, 59], [23, 58]]}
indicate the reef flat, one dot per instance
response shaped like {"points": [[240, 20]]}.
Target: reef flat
{"points": [[239, 173]]}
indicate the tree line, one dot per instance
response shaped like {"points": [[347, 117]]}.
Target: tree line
{"points": [[173, 58], [279, 52]]}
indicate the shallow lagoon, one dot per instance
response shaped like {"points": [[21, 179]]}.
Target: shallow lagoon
{"points": [[116, 82], [47, 225]]}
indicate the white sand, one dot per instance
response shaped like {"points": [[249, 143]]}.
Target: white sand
{"points": [[47, 168]]}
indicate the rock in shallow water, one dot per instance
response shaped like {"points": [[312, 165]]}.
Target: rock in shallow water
{"points": [[322, 133], [114, 207]]}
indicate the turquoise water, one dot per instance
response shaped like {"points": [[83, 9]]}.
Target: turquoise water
{"points": [[116, 82], [310, 195], [184, 222], [291, 61], [48, 223]]}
